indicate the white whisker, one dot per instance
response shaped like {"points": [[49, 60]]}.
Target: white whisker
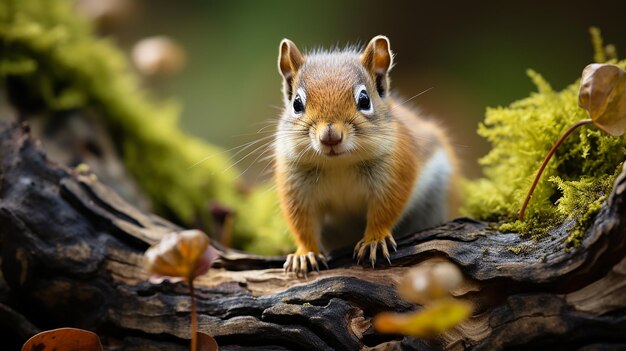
{"points": [[412, 97]]}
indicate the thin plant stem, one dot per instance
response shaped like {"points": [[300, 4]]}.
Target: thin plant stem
{"points": [[194, 318], [545, 163]]}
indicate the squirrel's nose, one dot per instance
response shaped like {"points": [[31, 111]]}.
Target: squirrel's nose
{"points": [[330, 137]]}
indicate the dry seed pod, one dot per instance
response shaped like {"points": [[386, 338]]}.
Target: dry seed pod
{"points": [[603, 94]]}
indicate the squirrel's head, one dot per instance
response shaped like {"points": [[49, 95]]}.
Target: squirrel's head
{"points": [[335, 102]]}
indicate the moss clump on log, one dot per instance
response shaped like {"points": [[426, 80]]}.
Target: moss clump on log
{"points": [[575, 182], [54, 57]]}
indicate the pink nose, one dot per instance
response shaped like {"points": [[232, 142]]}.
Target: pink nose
{"points": [[330, 137]]}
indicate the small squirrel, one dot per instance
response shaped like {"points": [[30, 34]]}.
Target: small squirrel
{"points": [[351, 162]]}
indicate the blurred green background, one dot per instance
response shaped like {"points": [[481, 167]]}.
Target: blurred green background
{"points": [[474, 54]]}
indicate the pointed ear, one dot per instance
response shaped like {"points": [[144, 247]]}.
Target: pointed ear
{"points": [[377, 59], [289, 61]]}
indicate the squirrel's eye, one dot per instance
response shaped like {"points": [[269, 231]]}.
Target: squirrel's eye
{"points": [[298, 102], [363, 101], [298, 106]]}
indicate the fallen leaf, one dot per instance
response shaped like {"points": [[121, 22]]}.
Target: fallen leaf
{"points": [[427, 323], [66, 339], [603, 94]]}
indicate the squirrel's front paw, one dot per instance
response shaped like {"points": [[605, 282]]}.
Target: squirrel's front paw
{"points": [[300, 263], [363, 245]]}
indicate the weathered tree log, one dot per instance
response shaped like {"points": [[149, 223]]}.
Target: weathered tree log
{"points": [[71, 253]]}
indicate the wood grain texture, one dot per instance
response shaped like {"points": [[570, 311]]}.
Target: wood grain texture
{"points": [[72, 249]]}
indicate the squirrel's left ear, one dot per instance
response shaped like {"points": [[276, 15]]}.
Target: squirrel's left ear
{"points": [[377, 59]]}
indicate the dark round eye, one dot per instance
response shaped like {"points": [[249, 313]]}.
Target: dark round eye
{"points": [[363, 101], [298, 105]]}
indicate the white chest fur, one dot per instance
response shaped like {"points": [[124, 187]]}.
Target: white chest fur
{"points": [[340, 197], [340, 190]]}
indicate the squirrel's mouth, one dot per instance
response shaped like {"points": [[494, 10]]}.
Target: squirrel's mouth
{"points": [[334, 153]]}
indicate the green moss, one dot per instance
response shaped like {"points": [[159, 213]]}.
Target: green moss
{"points": [[57, 59], [521, 249], [575, 181]]}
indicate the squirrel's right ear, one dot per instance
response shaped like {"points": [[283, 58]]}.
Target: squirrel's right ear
{"points": [[377, 59], [289, 61]]}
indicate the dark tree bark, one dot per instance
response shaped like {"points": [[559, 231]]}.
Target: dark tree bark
{"points": [[71, 253]]}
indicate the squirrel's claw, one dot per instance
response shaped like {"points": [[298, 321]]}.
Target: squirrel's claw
{"points": [[385, 250], [299, 264], [311, 257], [362, 247], [304, 268], [287, 262], [392, 241]]}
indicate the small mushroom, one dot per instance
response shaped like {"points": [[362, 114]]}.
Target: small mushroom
{"points": [[429, 286], [158, 56], [183, 255], [427, 283], [106, 14]]}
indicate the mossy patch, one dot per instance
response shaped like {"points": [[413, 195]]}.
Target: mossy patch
{"points": [[575, 182], [53, 55], [521, 249]]}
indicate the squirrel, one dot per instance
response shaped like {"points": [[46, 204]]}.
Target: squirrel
{"points": [[350, 161]]}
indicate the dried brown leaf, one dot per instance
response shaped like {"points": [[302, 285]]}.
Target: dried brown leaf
{"points": [[603, 94]]}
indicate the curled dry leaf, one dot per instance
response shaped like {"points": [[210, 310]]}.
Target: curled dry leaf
{"points": [[66, 339], [603, 94], [433, 320], [425, 284], [184, 255]]}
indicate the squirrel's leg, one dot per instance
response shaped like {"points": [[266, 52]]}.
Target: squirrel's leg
{"points": [[389, 198], [305, 227], [382, 214]]}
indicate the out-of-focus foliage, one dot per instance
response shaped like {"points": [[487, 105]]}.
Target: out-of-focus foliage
{"points": [[429, 285], [58, 61], [579, 177], [433, 320]]}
